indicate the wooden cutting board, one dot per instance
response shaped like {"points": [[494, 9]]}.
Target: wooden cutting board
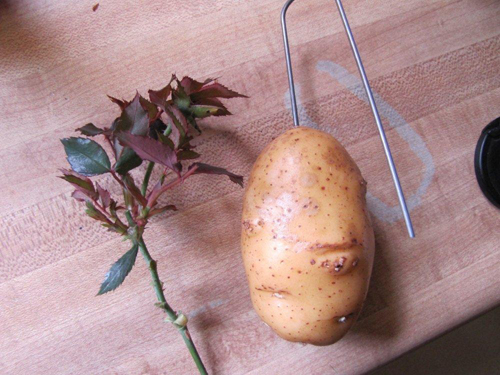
{"points": [[435, 68]]}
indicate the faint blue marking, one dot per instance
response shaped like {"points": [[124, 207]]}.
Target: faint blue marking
{"points": [[380, 209], [204, 308]]}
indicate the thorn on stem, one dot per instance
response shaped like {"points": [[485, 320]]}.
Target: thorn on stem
{"points": [[161, 305]]}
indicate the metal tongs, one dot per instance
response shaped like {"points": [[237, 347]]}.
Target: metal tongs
{"points": [[368, 91]]}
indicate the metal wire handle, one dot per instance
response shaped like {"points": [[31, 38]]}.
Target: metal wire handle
{"points": [[371, 100]]}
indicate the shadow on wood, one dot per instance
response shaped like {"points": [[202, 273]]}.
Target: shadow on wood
{"points": [[381, 296]]}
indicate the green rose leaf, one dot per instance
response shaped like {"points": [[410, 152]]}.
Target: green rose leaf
{"points": [[181, 99], [86, 156], [128, 161], [94, 213], [119, 271]]}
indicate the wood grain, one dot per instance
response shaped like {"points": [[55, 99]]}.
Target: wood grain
{"points": [[435, 63]]}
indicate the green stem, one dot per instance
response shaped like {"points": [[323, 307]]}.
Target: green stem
{"points": [[151, 165], [130, 221], [168, 130], [145, 182], [172, 315]]}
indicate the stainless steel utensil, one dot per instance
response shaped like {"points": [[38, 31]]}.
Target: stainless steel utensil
{"points": [[369, 93]]}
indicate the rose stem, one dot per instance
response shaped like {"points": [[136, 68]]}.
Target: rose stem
{"points": [[172, 315], [145, 183]]}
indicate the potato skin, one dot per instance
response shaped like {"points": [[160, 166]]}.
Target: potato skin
{"points": [[307, 240]]}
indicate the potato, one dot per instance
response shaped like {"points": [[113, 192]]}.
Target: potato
{"points": [[307, 240]]}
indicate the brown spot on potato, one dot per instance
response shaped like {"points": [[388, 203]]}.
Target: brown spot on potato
{"points": [[324, 247], [252, 227], [339, 264]]}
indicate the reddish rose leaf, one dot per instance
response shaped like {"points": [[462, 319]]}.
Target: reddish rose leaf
{"points": [[81, 183], [128, 199], [113, 208], [165, 140], [76, 179], [121, 103], [149, 149], [149, 107], [216, 90], [180, 123], [210, 101], [159, 97], [190, 85], [104, 196], [186, 145], [192, 121], [177, 115], [80, 196], [134, 118], [156, 189], [134, 190], [117, 147], [209, 169], [187, 154], [90, 130]]}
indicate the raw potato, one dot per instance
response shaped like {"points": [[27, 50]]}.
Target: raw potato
{"points": [[307, 240]]}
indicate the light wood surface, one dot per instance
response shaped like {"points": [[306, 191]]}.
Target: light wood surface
{"points": [[435, 64]]}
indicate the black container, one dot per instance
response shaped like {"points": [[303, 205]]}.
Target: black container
{"points": [[487, 162]]}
